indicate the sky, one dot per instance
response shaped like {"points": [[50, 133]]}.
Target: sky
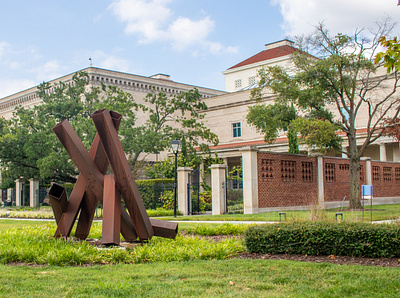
{"points": [[192, 41]]}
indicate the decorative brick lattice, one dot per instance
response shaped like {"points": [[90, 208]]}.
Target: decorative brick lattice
{"points": [[397, 174], [291, 180], [307, 171], [376, 175], [330, 172], [288, 170], [280, 180], [387, 174], [267, 172]]}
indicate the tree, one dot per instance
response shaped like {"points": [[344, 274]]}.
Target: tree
{"points": [[172, 117], [339, 76], [391, 57], [30, 149], [269, 119], [28, 146]]}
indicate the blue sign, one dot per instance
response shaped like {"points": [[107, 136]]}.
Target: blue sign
{"points": [[366, 190]]}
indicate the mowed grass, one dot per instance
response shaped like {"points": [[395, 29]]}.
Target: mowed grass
{"points": [[380, 212], [206, 278], [187, 267]]}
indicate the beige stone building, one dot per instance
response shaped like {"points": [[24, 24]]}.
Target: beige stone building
{"points": [[226, 115], [226, 109]]}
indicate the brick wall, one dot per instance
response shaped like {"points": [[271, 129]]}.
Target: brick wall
{"points": [[385, 179], [286, 180]]}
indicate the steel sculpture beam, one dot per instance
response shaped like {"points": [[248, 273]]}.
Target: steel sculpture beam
{"points": [[88, 205], [93, 185], [111, 212], [58, 200], [123, 175], [92, 176]]}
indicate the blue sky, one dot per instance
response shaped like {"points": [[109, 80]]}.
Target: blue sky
{"points": [[191, 40]]}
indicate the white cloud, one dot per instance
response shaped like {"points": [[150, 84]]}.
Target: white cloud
{"points": [[142, 17], [152, 20], [300, 16], [103, 60], [184, 31], [8, 87], [49, 70], [3, 48]]}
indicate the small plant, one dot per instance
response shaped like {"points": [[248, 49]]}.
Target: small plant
{"points": [[167, 200]]}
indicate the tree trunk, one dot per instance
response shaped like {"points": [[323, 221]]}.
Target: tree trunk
{"points": [[355, 168]]}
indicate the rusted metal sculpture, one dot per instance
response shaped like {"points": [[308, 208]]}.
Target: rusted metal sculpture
{"points": [[94, 186]]}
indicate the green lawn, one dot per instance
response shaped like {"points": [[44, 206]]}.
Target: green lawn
{"points": [[228, 278], [380, 212], [188, 266]]}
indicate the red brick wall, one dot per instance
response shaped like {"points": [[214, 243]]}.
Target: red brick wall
{"points": [[291, 180], [286, 180], [337, 178], [385, 179]]}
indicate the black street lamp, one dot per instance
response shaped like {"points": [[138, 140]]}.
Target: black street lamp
{"points": [[175, 148]]}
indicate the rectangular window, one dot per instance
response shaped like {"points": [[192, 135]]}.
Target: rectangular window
{"points": [[238, 84], [237, 130], [266, 169], [376, 173], [307, 171], [330, 172], [252, 80], [387, 174], [288, 170]]}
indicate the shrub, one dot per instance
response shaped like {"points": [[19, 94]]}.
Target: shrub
{"points": [[167, 200], [152, 190], [323, 238], [204, 199]]}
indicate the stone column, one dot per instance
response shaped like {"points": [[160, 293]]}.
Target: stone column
{"points": [[34, 192], [320, 181], [18, 192], [368, 170], [218, 188], [250, 180], [382, 152], [183, 179], [396, 153], [9, 194]]}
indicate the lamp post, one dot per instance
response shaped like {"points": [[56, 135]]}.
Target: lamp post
{"points": [[175, 148]]}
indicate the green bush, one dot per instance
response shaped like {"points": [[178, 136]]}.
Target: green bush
{"points": [[204, 199], [152, 190], [167, 200], [323, 238]]}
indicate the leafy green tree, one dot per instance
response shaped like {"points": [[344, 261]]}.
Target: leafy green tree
{"points": [[316, 133], [30, 149], [269, 119], [340, 76], [172, 117]]}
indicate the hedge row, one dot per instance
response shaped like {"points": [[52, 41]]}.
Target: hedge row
{"points": [[323, 238]]}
